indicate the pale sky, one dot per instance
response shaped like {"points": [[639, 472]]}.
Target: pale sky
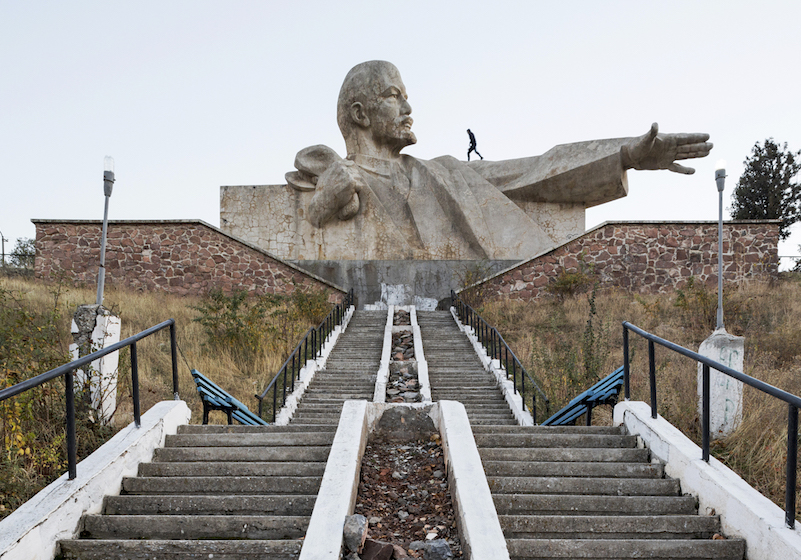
{"points": [[191, 95]]}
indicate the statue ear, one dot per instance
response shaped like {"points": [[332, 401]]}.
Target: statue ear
{"points": [[359, 115]]}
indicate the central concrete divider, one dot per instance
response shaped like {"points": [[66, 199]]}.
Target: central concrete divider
{"points": [[380, 392], [480, 531]]}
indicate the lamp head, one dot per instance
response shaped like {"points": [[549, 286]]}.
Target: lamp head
{"points": [[108, 175], [720, 174]]}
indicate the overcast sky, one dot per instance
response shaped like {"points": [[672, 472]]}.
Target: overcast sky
{"points": [[191, 95]]}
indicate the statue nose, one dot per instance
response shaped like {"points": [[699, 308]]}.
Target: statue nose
{"points": [[406, 109]]}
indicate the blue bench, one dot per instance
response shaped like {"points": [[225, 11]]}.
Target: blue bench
{"points": [[603, 392], [215, 398]]}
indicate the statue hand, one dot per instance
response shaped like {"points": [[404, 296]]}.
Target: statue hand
{"points": [[337, 193], [659, 151]]}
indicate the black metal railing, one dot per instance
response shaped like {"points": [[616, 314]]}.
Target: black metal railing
{"points": [[498, 349], [67, 371], [793, 403], [307, 349]]}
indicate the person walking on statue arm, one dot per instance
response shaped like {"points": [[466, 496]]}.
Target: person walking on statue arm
{"points": [[472, 145]]}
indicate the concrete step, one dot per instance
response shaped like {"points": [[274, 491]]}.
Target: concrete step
{"points": [[491, 421], [250, 440], [212, 485], [260, 527], [609, 527], [584, 486], [276, 504], [258, 454], [565, 469], [238, 429], [231, 469], [557, 504], [180, 549], [598, 430], [561, 454], [573, 441], [653, 549]]}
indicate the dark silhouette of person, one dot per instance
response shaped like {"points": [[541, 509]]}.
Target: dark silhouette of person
{"points": [[472, 145]]}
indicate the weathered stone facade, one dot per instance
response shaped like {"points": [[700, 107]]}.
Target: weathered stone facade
{"points": [[648, 257], [176, 256]]}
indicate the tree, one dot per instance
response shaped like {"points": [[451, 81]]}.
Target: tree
{"points": [[766, 190], [23, 254]]}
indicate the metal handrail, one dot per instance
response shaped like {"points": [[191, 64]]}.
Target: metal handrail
{"points": [[793, 403], [67, 370], [315, 337], [497, 348]]}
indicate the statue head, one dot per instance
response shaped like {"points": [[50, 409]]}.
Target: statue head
{"points": [[373, 111]]}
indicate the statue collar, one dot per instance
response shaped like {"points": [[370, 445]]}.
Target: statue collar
{"points": [[378, 166]]}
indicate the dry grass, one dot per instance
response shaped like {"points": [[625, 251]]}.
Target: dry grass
{"points": [[548, 337], [140, 310]]}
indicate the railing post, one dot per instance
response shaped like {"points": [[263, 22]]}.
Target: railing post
{"points": [[275, 398], [652, 376], [705, 413], [135, 386], [72, 444], [293, 373], [792, 459], [626, 366], [174, 356]]}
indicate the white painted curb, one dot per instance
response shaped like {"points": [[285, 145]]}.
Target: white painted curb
{"points": [[482, 536], [337, 496], [744, 512], [513, 399], [419, 355], [32, 531], [381, 378], [307, 372]]}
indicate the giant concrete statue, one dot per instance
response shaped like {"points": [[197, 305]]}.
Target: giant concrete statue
{"points": [[379, 204]]}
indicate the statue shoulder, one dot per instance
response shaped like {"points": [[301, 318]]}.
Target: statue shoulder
{"points": [[310, 163]]}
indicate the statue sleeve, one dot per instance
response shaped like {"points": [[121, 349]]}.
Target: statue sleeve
{"points": [[584, 172]]}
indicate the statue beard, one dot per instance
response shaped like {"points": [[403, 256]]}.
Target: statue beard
{"points": [[398, 133]]}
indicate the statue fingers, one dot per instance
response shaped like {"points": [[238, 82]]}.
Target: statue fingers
{"points": [[676, 168], [697, 150], [691, 138]]}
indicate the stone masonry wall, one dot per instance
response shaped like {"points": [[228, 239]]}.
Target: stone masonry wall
{"points": [[647, 257], [176, 256]]}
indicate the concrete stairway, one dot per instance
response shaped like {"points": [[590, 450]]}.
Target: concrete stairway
{"points": [[567, 492], [591, 493], [456, 373], [349, 373], [236, 492], [230, 492]]}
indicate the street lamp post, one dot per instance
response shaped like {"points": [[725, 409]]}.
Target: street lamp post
{"points": [[108, 185], [720, 179], [3, 250]]}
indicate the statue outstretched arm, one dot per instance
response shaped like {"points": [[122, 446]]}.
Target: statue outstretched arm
{"points": [[592, 172]]}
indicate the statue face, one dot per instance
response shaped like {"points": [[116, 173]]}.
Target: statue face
{"points": [[390, 123]]}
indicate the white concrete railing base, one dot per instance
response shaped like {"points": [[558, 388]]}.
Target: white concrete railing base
{"points": [[382, 376], [419, 355], [32, 531], [307, 372], [481, 533], [744, 512], [513, 399]]}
